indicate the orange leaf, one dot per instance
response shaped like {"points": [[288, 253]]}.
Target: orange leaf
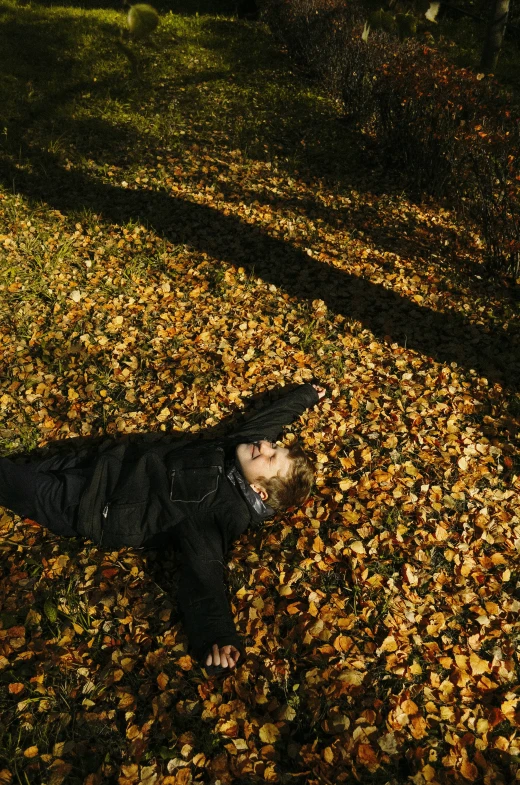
{"points": [[418, 728], [343, 643], [15, 688], [186, 663], [162, 681]]}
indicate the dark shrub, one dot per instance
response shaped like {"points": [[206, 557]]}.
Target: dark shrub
{"points": [[449, 133]]}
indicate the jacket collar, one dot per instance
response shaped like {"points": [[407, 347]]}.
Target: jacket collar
{"points": [[262, 510]]}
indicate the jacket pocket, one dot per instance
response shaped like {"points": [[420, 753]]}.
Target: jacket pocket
{"points": [[194, 485], [124, 524]]}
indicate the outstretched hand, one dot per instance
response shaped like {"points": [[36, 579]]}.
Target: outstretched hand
{"points": [[226, 656]]}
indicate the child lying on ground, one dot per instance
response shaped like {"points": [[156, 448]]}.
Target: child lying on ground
{"points": [[197, 496]]}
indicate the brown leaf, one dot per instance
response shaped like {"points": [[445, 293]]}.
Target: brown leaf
{"points": [[468, 770], [367, 757]]}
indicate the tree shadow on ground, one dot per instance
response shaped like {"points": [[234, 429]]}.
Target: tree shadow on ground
{"points": [[391, 317], [438, 246]]}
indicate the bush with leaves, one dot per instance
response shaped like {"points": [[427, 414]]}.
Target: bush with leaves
{"points": [[448, 132], [452, 135]]}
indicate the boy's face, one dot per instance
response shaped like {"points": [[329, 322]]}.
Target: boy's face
{"points": [[262, 460]]}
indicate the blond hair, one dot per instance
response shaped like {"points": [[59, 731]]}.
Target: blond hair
{"points": [[293, 489]]}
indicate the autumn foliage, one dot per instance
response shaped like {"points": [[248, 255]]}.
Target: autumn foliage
{"points": [[171, 255]]}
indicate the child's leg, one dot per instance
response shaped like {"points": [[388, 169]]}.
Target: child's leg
{"points": [[36, 495], [18, 488]]}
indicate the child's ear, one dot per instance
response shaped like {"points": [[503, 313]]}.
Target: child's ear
{"points": [[260, 491]]}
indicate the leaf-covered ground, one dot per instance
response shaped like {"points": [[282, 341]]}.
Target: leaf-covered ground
{"points": [[181, 233]]}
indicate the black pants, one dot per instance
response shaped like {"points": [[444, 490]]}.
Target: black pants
{"points": [[46, 491]]}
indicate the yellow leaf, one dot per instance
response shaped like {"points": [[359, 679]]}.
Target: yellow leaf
{"points": [[132, 732], [482, 726], [287, 713], [428, 773], [127, 664], [318, 545], [409, 707], [477, 664], [352, 677], [501, 743], [463, 463], [440, 533], [31, 752], [357, 546], [462, 661], [269, 733], [389, 644]]}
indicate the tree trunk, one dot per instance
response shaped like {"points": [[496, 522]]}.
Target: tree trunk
{"points": [[494, 35]]}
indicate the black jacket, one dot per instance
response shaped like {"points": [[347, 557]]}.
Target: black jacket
{"points": [[189, 495]]}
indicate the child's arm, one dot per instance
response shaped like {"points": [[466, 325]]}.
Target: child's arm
{"points": [[268, 423], [202, 600]]}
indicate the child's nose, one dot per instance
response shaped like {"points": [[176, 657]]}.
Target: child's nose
{"points": [[266, 447]]}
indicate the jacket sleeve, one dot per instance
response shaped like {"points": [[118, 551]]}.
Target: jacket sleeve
{"points": [[268, 423], [202, 599]]}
